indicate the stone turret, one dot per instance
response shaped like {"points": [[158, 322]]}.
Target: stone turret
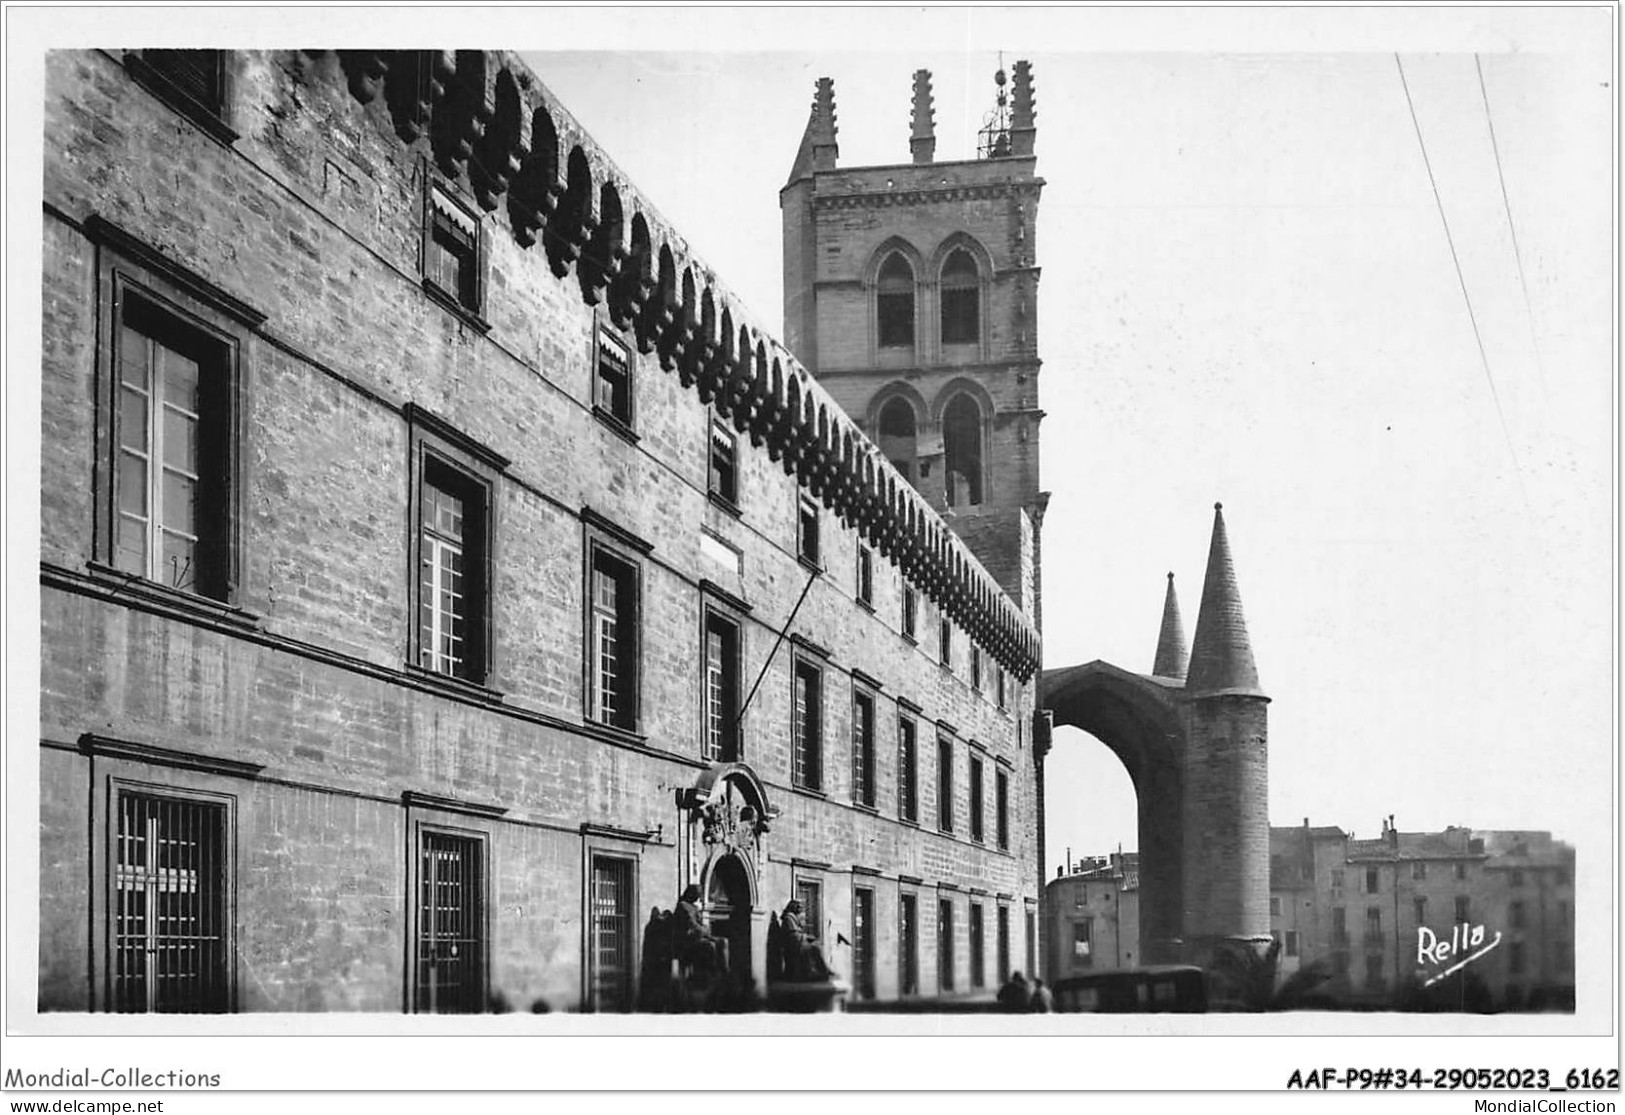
{"points": [[1171, 659], [922, 142]]}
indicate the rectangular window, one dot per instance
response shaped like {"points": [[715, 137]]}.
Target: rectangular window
{"points": [[1515, 915], [998, 682], [452, 269], [863, 942], [1292, 942], [1373, 924], [172, 463], [610, 947], [945, 643], [724, 482], [1001, 808], [865, 578], [945, 784], [1275, 905], [1002, 955], [1515, 878], [911, 610], [613, 640], [808, 726], [945, 945], [451, 925], [810, 893], [908, 788], [612, 381], [1461, 872], [1371, 880], [976, 667], [195, 83], [1032, 943], [451, 571], [170, 943], [721, 744], [807, 531], [908, 945], [1463, 907], [1337, 878], [1421, 904], [1419, 870], [976, 799], [1340, 929], [978, 951], [863, 748], [1083, 942]]}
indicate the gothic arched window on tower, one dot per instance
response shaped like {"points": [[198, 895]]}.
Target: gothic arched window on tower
{"points": [[897, 439], [961, 300], [894, 303], [962, 450]]}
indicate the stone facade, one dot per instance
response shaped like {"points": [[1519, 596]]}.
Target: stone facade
{"points": [[1356, 913], [395, 780]]}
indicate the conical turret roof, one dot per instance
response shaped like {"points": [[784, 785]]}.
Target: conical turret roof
{"points": [[1221, 661], [1171, 658]]}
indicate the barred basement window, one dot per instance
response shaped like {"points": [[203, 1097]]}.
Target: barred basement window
{"points": [[976, 799], [908, 945], [865, 580], [613, 639], [451, 924], [1001, 804], [453, 264], [908, 790], [945, 945], [612, 379], [610, 948], [807, 710], [863, 748], [961, 301], [171, 425], [170, 941], [978, 957], [721, 744], [724, 480], [945, 784], [894, 303], [863, 942]]}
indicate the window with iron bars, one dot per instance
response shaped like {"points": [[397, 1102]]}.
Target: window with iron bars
{"points": [[610, 950], [171, 941], [451, 976]]}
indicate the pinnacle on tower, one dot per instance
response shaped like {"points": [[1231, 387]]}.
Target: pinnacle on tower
{"points": [[1171, 659], [923, 138], [1022, 129], [1221, 662], [818, 150]]}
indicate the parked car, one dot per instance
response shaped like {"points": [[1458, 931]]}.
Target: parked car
{"points": [[1168, 988]]}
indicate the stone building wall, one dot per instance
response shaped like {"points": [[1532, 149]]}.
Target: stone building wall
{"points": [[296, 703]]}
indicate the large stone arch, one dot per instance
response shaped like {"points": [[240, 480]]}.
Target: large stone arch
{"points": [[1138, 719]]}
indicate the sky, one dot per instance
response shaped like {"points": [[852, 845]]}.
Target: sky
{"points": [[1248, 295]]}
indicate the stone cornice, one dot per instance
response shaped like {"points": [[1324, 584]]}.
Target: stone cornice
{"points": [[491, 123], [937, 195]]}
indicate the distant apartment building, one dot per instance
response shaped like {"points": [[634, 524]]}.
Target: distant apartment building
{"points": [[1382, 917], [1094, 915]]}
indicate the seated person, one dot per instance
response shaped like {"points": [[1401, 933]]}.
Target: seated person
{"points": [[802, 960], [692, 939]]}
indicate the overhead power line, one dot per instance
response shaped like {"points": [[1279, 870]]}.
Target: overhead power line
{"points": [[1483, 356]]}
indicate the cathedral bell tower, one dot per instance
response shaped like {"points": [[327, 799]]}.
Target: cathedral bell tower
{"points": [[911, 292]]}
